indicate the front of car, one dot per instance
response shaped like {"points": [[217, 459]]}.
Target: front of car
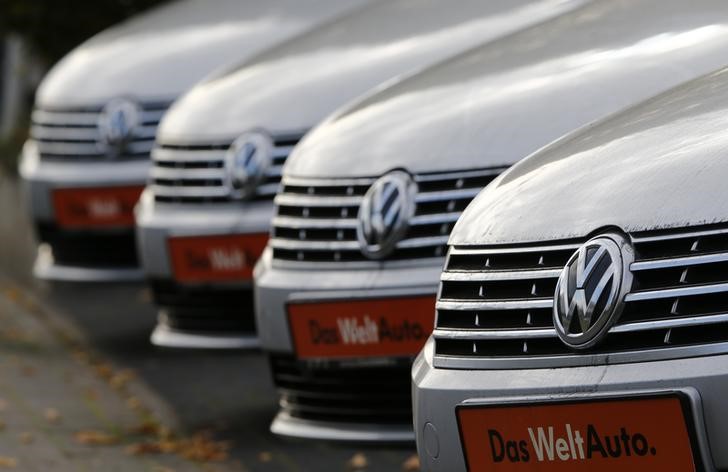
{"points": [[98, 109], [346, 290], [204, 219], [581, 315]]}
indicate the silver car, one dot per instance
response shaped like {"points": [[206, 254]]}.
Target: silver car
{"points": [[204, 218], [97, 111], [582, 312], [346, 290]]}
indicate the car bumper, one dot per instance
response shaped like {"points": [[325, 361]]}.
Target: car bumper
{"points": [[276, 287], [79, 254], [437, 392], [200, 314]]}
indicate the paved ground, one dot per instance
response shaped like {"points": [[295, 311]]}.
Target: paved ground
{"points": [[227, 393]]}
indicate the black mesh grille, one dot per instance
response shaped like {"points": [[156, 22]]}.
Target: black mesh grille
{"points": [[212, 309], [371, 395], [97, 249]]}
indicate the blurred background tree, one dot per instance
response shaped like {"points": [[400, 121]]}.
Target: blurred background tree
{"points": [[35, 34], [53, 27]]}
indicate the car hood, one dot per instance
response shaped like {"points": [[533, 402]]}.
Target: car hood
{"points": [[158, 55], [496, 104], [293, 86], [657, 166]]}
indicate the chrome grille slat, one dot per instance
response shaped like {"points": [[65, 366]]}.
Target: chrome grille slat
{"points": [[468, 194], [185, 155], [314, 245], [69, 134], [318, 218], [179, 167], [316, 201], [512, 250], [423, 242], [677, 303], [56, 118], [670, 323], [677, 292], [500, 276], [73, 134], [686, 261], [494, 334], [208, 192], [175, 173], [434, 219], [495, 304], [306, 223], [89, 149]]}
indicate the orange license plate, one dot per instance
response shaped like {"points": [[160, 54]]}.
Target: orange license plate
{"points": [[361, 328], [644, 433], [96, 207], [216, 258]]}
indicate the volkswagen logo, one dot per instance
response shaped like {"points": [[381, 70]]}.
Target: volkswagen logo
{"points": [[591, 289], [116, 125], [384, 214], [247, 161]]}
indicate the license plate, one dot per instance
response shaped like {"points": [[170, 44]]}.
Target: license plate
{"points": [[96, 207], [216, 258], [361, 328], [645, 434]]}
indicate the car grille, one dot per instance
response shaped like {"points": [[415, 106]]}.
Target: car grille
{"points": [[195, 173], [371, 395], [97, 249], [72, 134], [495, 304], [204, 309], [316, 219]]}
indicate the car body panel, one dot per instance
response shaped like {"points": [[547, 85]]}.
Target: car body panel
{"points": [[656, 166], [334, 64], [497, 103], [159, 54]]}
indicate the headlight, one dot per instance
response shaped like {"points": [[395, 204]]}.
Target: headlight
{"points": [[247, 162]]}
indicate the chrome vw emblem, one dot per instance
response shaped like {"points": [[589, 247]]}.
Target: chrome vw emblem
{"points": [[384, 214], [247, 162], [590, 292], [116, 125]]}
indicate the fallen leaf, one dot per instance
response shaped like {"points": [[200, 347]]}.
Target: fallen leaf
{"points": [[265, 457], [358, 461], [81, 356], [26, 438], [412, 464], [2, 426], [105, 371], [133, 403], [144, 448], [52, 415], [3, 405], [12, 293], [121, 378], [95, 438], [202, 448], [147, 428], [8, 462]]}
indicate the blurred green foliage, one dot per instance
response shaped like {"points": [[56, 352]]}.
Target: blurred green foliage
{"points": [[54, 27]]}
